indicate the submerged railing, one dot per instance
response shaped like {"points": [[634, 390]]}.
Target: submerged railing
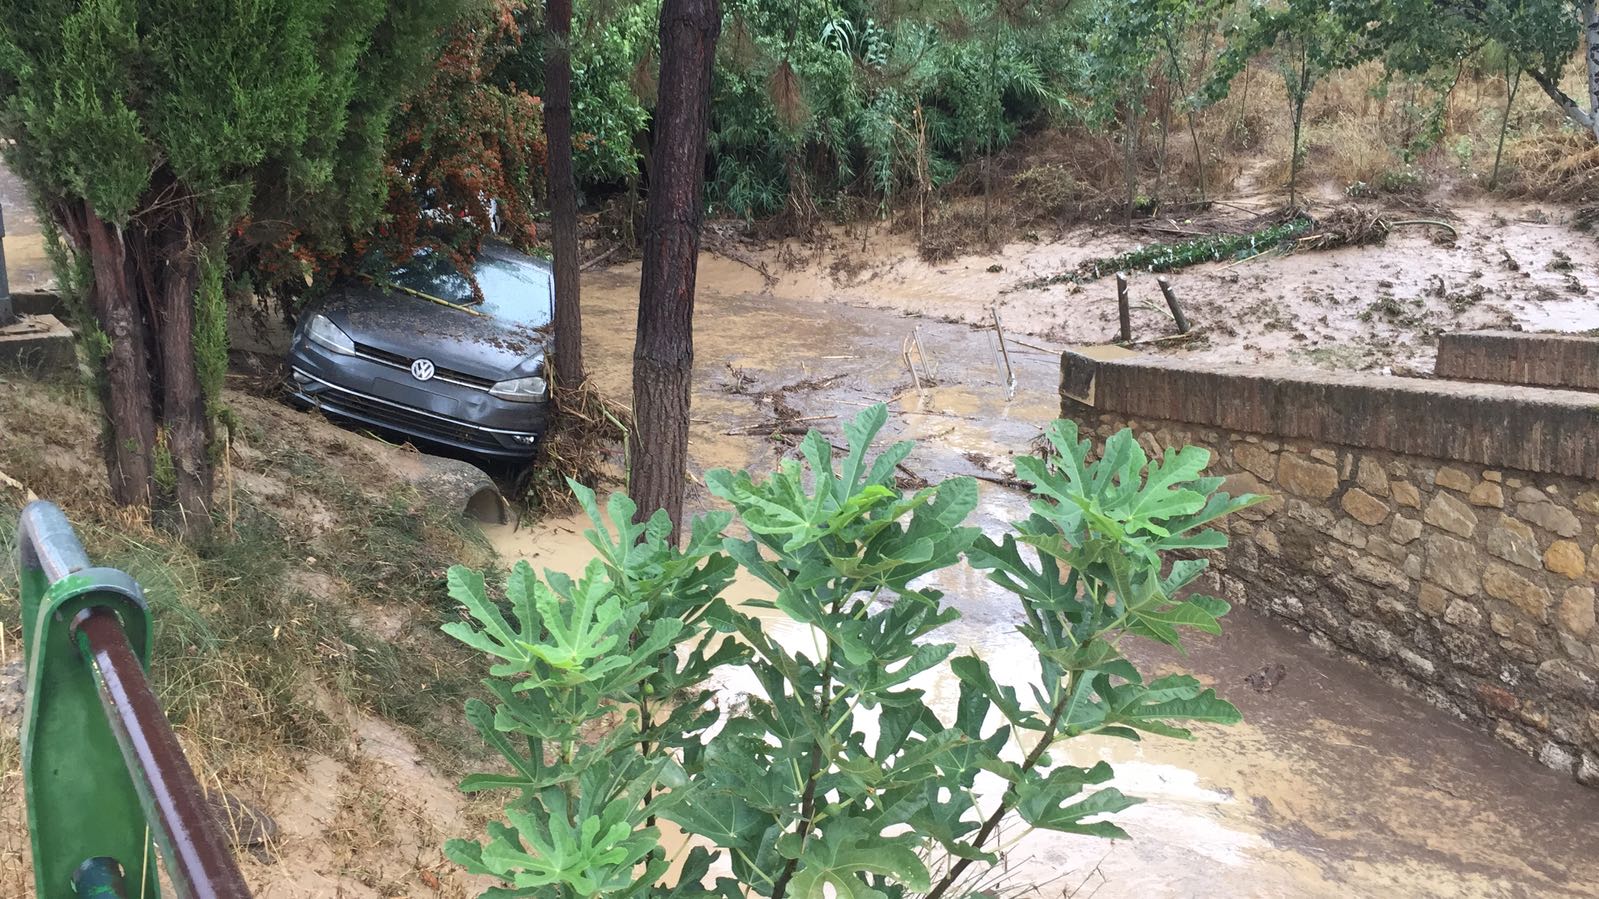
{"points": [[105, 777]]}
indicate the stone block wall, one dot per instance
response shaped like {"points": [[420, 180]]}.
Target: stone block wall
{"points": [[1468, 581]]}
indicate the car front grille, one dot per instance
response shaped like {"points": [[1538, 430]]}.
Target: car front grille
{"points": [[441, 373], [408, 419]]}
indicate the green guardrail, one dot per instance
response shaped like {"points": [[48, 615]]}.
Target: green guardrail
{"points": [[108, 789]]}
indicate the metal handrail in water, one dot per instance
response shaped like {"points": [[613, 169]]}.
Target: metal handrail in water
{"points": [[103, 770]]}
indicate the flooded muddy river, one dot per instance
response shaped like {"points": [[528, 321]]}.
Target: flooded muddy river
{"points": [[1336, 784]]}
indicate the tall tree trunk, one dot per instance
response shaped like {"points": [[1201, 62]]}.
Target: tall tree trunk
{"points": [[1165, 134], [995, 115], [1512, 82], [663, 354], [127, 386], [1130, 156], [1243, 106], [1198, 77], [1293, 161], [142, 300], [924, 181], [183, 414], [1297, 97], [1590, 28], [1199, 155], [563, 192]]}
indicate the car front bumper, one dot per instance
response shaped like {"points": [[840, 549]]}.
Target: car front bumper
{"points": [[382, 395]]}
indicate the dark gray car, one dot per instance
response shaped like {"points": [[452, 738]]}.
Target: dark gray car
{"points": [[424, 359]]}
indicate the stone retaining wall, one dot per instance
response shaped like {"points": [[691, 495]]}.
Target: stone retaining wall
{"points": [[1468, 580]]}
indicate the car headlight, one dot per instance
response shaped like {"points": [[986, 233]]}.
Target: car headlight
{"points": [[321, 331], [522, 390]]}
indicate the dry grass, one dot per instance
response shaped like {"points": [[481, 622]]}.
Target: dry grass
{"points": [[1351, 150], [961, 228], [1365, 136], [1553, 163], [1057, 178]]}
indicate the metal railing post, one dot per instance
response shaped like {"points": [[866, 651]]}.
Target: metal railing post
{"points": [[103, 770]]}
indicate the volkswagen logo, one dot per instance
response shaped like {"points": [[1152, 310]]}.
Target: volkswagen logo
{"points": [[423, 369]]}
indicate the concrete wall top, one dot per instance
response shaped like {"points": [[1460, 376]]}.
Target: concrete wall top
{"points": [[1517, 357], [1532, 429]]}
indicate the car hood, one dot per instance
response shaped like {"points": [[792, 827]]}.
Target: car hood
{"points": [[409, 326]]}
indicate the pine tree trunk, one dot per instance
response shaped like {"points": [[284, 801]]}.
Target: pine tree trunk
{"points": [[127, 385], [563, 193], [663, 354]]}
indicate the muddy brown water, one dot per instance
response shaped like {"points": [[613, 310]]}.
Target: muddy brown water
{"points": [[1336, 784], [27, 264]]}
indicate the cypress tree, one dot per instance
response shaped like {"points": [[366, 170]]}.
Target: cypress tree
{"points": [[150, 133]]}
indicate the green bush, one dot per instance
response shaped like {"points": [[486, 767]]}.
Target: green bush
{"points": [[839, 772]]}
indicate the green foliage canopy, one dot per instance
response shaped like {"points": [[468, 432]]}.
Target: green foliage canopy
{"points": [[282, 102]]}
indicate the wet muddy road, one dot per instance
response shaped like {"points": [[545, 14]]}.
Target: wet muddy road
{"points": [[1335, 784]]}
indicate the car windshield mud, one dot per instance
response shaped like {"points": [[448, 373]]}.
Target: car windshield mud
{"points": [[513, 290]]}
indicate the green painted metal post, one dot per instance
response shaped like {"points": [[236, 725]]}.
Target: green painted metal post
{"points": [[82, 801]]}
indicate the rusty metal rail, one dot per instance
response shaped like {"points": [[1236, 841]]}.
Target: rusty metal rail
{"points": [[103, 770]]}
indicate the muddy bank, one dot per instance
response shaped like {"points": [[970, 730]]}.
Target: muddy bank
{"points": [[1370, 307]]}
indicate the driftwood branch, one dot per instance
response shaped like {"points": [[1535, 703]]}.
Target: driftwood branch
{"points": [[600, 258]]}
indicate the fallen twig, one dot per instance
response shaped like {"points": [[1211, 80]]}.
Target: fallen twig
{"points": [[776, 427], [600, 258], [1004, 481], [1164, 229], [1033, 346], [721, 249], [1191, 334]]}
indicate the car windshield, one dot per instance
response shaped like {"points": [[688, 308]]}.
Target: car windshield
{"points": [[514, 289]]}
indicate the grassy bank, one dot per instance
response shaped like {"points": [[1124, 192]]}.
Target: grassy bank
{"points": [[316, 605]]}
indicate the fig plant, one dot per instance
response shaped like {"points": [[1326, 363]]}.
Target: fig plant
{"points": [[840, 771]]}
